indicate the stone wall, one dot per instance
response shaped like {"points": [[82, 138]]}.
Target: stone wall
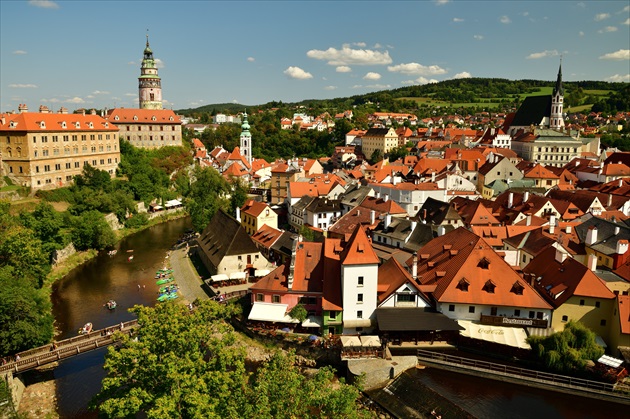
{"points": [[112, 220], [60, 255], [9, 195], [378, 372]]}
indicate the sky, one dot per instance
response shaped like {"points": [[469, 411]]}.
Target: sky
{"points": [[87, 54]]}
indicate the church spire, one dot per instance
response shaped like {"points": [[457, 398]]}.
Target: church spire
{"points": [[246, 140], [558, 88], [149, 83], [556, 118]]}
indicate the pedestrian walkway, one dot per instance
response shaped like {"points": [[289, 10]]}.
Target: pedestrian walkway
{"points": [[186, 276]]}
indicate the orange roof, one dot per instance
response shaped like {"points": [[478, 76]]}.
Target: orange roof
{"points": [[300, 189], [391, 276], [143, 116], [254, 208], [234, 170], [539, 172], [197, 143], [624, 313], [359, 250], [331, 298], [55, 122], [381, 205], [266, 236]]}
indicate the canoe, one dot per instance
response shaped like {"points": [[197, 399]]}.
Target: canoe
{"points": [[85, 329], [164, 281]]}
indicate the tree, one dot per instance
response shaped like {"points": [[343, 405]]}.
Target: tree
{"points": [[207, 194], [298, 312], [567, 351], [377, 155], [187, 364], [91, 231], [239, 194]]}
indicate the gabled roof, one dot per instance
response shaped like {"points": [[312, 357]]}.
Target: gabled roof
{"points": [[359, 250], [224, 236], [254, 208], [466, 270], [623, 306], [607, 237], [539, 172], [331, 298], [347, 224], [383, 206], [558, 281], [532, 111], [533, 242], [54, 122], [391, 276], [434, 211], [266, 236], [143, 116]]}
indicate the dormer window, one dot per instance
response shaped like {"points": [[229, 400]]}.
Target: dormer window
{"points": [[153, 118], [42, 125], [91, 125], [12, 124], [135, 117], [63, 124], [171, 118], [106, 124], [463, 285], [489, 287], [483, 263], [77, 125], [116, 118], [517, 288]]}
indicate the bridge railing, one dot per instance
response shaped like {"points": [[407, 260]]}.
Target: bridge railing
{"points": [[66, 348], [532, 375]]}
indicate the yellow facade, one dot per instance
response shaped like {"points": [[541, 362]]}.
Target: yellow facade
{"points": [[594, 313]]}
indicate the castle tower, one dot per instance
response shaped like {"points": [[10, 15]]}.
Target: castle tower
{"points": [[556, 120], [149, 83], [246, 140]]}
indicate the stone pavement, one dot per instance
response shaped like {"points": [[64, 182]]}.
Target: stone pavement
{"points": [[186, 277]]}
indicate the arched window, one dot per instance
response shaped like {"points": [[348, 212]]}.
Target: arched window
{"points": [[9, 153], [19, 151]]}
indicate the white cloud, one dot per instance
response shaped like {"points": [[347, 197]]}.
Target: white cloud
{"points": [[441, 2], [349, 56], [23, 86], [378, 86], [360, 44], [608, 29], [462, 75], [372, 76], [505, 20], [618, 78], [546, 53], [75, 100], [159, 63], [131, 63], [251, 59], [44, 4], [601, 16], [343, 69], [622, 54], [356, 86], [100, 92], [581, 33], [525, 14], [19, 52], [234, 101], [131, 94], [297, 73], [415, 68], [379, 46], [330, 87], [420, 80], [627, 21], [53, 100], [458, 19], [478, 37], [625, 9]]}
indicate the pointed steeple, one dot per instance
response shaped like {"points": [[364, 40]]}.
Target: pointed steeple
{"points": [[558, 88], [149, 83], [246, 140]]}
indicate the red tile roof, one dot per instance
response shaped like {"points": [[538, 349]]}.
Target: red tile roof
{"points": [[359, 250], [143, 116]]}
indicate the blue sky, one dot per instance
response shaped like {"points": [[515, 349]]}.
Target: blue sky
{"points": [[87, 53]]}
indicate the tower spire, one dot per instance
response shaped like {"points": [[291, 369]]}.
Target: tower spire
{"points": [[149, 83], [558, 88], [246, 139], [556, 118]]}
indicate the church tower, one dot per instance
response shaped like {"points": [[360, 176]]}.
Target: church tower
{"points": [[556, 120], [246, 140], [149, 83]]}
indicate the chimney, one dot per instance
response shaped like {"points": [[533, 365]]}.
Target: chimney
{"points": [[414, 223], [622, 247], [592, 262], [22, 108], [433, 176], [238, 214], [424, 214], [591, 235], [441, 230], [609, 201], [568, 229], [292, 265], [394, 180], [372, 217], [617, 230], [528, 220], [560, 256], [378, 194], [552, 223], [63, 111], [386, 198], [525, 196], [510, 200], [43, 109], [620, 183], [388, 220], [414, 266]]}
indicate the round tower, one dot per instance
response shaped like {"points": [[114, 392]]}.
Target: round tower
{"points": [[149, 83], [556, 118], [246, 140]]}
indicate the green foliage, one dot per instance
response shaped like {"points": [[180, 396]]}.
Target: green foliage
{"points": [[238, 195], [191, 364], [207, 194], [91, 231], [568, 351], [377, 155], [298, 312], [307, 234], [398, 153], [137, 221]]}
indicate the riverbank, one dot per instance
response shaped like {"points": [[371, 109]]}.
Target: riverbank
{"points": [[39, 399]]}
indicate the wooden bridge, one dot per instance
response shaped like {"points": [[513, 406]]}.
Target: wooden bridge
{"points": [[66, 348]]}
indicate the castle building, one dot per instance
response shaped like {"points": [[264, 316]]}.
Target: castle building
{"points": [[45, 150], [246, 140], [149, 83]]}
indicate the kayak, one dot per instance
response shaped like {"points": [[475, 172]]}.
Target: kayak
{"points": [[164, 281]]}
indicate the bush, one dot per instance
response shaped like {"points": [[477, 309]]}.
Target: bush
{"points": [[136, 221]]}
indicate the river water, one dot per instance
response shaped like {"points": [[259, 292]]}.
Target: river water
{"points": [[79, 298]]}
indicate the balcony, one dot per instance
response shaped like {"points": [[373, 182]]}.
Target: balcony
{"points": [[512, 321]]}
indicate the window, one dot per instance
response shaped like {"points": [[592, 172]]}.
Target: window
{"points": [[20, 169], [260, 297], [471, 309], [359, 298], [597, 304], [275, 299], [489, 287], [360, 280], [47, 168], [406, 298], [58, 167], [602, 322], [517, 313], [359, 314], [565, 318], [531, 314], [451, 307], [463, 285], [332, 315], [539, 315], [581, 302], [36, 169]]}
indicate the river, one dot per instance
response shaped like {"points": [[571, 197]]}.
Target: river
{"points": [[79, 297]]}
